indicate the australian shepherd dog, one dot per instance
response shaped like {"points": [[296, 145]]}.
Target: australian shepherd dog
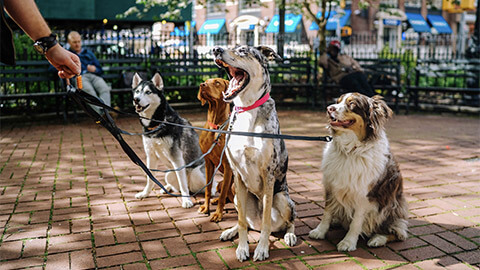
{"points": [[362, 180]]}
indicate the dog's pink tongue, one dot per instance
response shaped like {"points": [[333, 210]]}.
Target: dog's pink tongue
{"points": [[339, 123]]}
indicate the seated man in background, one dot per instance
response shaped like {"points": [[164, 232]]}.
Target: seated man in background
{"points": [[92, 81], [344, 70]]}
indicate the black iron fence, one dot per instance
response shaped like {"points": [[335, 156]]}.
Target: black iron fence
{"points": [[428, 73], [143, 42]]}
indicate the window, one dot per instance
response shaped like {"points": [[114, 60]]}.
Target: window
{"points": [[245, 6], [434, 4], [413, 3], [389, 4], [215, 7]]}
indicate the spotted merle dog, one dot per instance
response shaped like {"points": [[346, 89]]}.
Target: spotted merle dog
{"points": [[259, 165], [173, 145]]}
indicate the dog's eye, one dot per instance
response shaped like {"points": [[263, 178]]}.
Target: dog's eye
{"points": [[137, 91], [217, 83], [148, 92], [242, 51]]}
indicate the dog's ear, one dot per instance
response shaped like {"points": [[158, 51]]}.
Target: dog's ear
{"points": [[158, 81], [226, 82], [199, 97], [269, 53], [136, 80], [379, 112]]}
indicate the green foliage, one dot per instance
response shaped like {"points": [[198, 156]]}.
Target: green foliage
{"points": [[450, 78], [408, 61], [23, 45]]}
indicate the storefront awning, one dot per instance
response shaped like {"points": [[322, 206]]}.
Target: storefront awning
{"points": [[181, 33], [291, 23], [439, 23], [417, 22], [332, 20], [212, 26]]}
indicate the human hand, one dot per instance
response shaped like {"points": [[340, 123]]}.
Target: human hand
{"points": [[66, 62], [91, 68]]}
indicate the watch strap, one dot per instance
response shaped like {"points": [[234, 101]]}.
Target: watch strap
{"points": [[46, 42]]}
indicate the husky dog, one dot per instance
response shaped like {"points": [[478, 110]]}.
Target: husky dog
{"points": [[259, 165], [174, 146]]}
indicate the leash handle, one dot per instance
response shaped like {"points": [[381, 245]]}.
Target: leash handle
{"points": [[79, 82]]}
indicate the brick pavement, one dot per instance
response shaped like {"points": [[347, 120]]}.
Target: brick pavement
{"points": [[67, 201]]}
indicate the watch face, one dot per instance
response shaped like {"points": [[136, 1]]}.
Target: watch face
{"points": [[39, 48]]}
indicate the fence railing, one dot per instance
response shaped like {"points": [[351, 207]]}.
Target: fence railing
{"points": [[144, 43]]}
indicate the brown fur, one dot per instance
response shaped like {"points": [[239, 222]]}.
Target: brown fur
{"points": [[218, 112]]}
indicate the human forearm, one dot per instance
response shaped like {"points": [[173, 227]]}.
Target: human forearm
{"points": [[26, 14]]}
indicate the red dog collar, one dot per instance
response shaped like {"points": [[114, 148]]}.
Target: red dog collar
{"points": [[212, 125], [257, 103]]}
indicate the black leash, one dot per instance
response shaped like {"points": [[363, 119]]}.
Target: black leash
{"points": [[83, 99], [95, 101], [80, 97]]}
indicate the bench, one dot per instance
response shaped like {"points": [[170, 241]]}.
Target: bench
{"points": [[182, 77], [448, 85], [382, 74], [292, 81], [114, 73], [30, 86]]}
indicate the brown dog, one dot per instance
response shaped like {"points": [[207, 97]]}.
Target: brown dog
{"points": [[218, 112]]}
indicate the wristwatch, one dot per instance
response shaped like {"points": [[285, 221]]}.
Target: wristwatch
{"points": [[42, 45]]}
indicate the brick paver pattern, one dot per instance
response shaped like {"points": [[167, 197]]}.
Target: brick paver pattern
{"points": [[67, 201]]}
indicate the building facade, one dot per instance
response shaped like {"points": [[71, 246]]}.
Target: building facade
{"points": [[235, 22]]}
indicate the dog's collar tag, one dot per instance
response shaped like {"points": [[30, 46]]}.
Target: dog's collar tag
{"points": [[257, 103]]}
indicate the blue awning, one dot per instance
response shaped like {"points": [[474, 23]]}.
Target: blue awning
{"points": [[212, 26], [439, 23], [417, 22], [332, 20], [291, 23], [181, 33]]}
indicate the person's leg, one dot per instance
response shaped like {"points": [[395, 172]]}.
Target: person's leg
{"points": [[102, 89], [364, 85], [89, 88], [348, 83]]}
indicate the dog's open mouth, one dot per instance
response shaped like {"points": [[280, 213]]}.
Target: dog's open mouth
{"points": [[339, 123], [139, 108], [239, 78]]}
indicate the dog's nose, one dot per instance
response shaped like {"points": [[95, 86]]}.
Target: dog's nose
{"points": [[203, 84], [217, 50], [331, 108], [136, 100]]}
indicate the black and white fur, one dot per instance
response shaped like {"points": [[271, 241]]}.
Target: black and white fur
{"points": [[259, 165], [174, 146], [362, 181]]}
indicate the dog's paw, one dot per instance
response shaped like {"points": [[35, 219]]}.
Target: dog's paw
{"points": [[217, 216], [187, 203], [261, 253], [242, 252], [229, 234], [204, 209], [347, 245], [377, 240], [141, 195], [290, 239], [317, 234], [168, 187]]}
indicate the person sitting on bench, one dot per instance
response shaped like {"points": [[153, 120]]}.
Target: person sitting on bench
{"points": [[93, 83], [344, 70]]}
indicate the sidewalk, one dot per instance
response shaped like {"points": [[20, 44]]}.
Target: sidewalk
{"points": [[67, 201]]}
